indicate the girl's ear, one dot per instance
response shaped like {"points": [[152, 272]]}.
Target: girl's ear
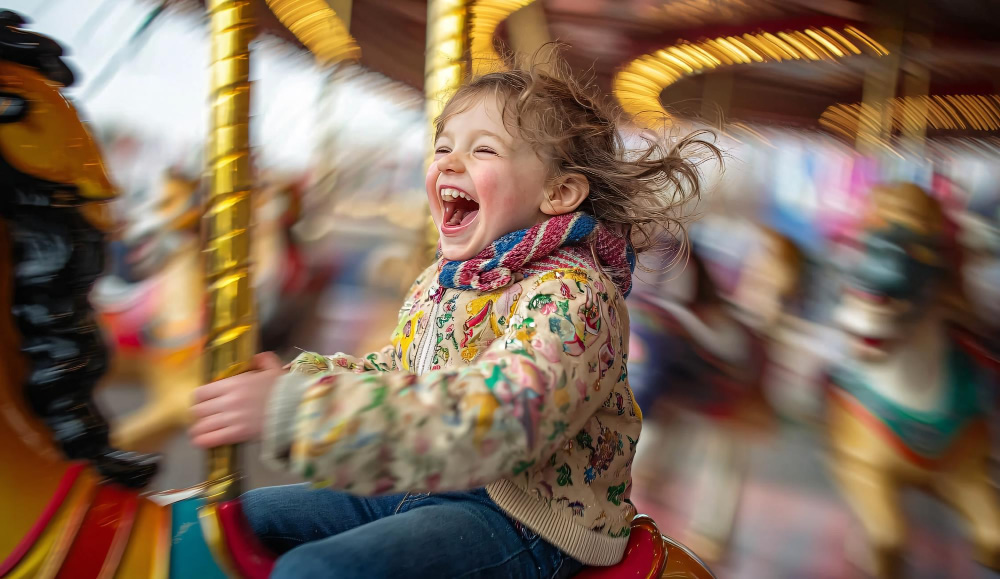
{"points": [[565, 193]]}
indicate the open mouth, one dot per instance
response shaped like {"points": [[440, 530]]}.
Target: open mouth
{"points": [[870, 342], [869, 297], [460, 209]]}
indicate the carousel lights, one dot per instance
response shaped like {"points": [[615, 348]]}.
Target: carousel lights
{"points": [[486, 16], [867, 40], [639, 84], [318, 28], [939, 112]]}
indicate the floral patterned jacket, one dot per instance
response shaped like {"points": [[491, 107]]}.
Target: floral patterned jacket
{"points": [[523, 390]]}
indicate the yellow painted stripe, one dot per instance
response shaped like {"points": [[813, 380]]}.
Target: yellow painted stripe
{"points": [[140, 558], [47, 554], [211, 529]]}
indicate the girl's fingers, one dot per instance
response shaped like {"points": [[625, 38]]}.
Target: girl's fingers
{"points": [[228, 435], [267, 361], [210, 424], [209, 407], [213, 389]]}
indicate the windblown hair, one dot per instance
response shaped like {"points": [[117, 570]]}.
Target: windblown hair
{"points": [[638, 192]]}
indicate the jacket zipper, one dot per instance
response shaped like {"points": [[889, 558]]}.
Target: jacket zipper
{"points": [[422, 362], [426, 345]]}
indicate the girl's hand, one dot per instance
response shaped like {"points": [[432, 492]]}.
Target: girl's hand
{"points": [[232, 410]]}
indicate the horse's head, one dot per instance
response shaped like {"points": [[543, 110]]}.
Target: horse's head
{"points": [[899, 270], [53, 190], [770, 280], [41, 136]]}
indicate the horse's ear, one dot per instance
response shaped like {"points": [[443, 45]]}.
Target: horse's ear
{"points": [[12, 107]]}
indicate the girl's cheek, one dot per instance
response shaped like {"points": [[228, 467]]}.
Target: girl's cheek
{"points": [[486, 185], [430, 182]]}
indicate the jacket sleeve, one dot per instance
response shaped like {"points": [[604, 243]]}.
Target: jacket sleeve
{"points": [[535, 386], [279, 417]]}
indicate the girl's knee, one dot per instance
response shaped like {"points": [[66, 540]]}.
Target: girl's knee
{"points": [[317, 561], [264, 506], [258, 506], [297, 564]]}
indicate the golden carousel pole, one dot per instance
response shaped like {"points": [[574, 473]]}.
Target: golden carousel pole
{"points": [[445, 68], [232, 332], [226, 226], [881, 79], [232, 328], [231, 340]]}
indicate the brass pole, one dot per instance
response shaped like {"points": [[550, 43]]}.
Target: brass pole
{"points": [[881, 80], [231, 340], [445, 68], [717, 98], [528, 30], [447, 51], [913, 109]]}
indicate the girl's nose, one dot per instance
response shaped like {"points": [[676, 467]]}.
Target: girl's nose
{"points": [[450, 163]]}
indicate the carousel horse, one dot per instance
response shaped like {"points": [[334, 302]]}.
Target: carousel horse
{"points": [[980, 238], [283, 285], [70, 503], [907, 407], [980, 231], [770, 298], [690, 354], [51, 180], [150, 305]]}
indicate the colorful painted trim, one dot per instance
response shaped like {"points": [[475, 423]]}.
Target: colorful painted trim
{"points": [[922, 436]]}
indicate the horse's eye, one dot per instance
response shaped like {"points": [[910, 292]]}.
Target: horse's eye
{"points": [[12, 108]]}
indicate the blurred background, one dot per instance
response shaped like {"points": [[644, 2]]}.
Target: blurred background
{"points": [[814, 102]]}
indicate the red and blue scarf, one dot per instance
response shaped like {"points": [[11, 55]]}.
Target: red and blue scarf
{"points": [[496, 265]]}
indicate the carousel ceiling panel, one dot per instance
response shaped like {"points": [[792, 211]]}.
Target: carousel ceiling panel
{"points": [[606, 35]]}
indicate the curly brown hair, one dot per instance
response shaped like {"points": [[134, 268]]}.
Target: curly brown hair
{"points": [[637, 191]]}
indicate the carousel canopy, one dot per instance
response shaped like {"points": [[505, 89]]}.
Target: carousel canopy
{"points": [[798, 63]]}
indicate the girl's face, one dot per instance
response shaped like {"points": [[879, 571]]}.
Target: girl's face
{"points": [[483, 183]]}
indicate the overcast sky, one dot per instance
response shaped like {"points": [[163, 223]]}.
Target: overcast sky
{"points": [[162, 88]]}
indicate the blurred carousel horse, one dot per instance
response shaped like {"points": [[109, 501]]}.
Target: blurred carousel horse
{"points": [[979, 227], [53, 215], [73, 506], [152, 301], [151, 307], [980, 239], [770, 298], [908, 408], [688, 355]]}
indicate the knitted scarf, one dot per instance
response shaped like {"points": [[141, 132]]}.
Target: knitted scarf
{"points": [[495, 265]]}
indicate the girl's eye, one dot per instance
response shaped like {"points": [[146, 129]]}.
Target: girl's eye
{"points": [[486, 150], [442, 151]]}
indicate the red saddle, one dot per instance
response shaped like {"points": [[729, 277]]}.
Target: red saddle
{"points": [[649, 555]]}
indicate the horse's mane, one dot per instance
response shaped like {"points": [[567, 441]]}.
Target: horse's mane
{"points": [[31, 49]]}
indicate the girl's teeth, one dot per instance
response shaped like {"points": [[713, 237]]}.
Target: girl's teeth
{"points": [[454, 194]]}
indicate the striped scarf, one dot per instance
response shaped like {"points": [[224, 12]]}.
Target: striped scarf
{"points": [[496, 265]]}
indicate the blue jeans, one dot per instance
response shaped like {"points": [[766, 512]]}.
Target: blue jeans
{"points": [[325, 533]]}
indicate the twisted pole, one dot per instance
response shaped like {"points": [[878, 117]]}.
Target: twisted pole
{"points": [[231, 340]]}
